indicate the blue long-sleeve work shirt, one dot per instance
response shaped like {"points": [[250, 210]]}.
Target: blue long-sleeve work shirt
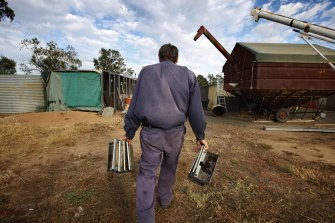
{"points": [[165, 95]]}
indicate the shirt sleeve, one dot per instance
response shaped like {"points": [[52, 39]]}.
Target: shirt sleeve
{"points": [[131, 122], [195, 112]]}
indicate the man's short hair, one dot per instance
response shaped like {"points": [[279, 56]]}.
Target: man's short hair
{"points": [[168, 52]]}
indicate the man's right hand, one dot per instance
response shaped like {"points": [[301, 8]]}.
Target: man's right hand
{"points": [[125, 138], [201, 143]]}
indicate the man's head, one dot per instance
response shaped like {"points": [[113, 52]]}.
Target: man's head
{"points": [[168, 52]]}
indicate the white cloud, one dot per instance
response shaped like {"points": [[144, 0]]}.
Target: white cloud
{"points": [[312, 12], [267, 6], [267, 31], [330, 16], [271, 32], [9, 46], [138, 28], [290, 9]]}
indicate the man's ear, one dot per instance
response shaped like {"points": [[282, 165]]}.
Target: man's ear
{"points": [[176, 60]]}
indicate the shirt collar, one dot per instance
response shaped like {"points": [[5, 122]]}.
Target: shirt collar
{"points": [[166, 61]]}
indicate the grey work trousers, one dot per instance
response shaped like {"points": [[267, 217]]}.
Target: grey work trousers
{"points": [[159, 147]]}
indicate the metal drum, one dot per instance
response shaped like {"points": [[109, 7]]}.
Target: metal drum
{"points": [[203, 167], [120, 156]]}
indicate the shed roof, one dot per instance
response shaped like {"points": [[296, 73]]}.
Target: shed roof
{"points": [[291, 53], [94, 71]]}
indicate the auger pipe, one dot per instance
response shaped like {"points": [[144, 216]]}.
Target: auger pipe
{"points": [[210, 37], [258, 13]]}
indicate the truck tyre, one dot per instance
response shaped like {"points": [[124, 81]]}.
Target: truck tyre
{"points": [[282, 115]]}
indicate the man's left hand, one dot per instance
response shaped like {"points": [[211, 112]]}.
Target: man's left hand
{"points": [[201, 143]]}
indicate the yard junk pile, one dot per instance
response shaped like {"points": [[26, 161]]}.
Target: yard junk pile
{"points": [[120, 156], [203, 167]]}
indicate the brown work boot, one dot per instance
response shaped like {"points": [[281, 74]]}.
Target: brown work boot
{"points": [[165, 206]]}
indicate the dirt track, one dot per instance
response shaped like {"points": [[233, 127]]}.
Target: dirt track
{"points": [[53, 168]]}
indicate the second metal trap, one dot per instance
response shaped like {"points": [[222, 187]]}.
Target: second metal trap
{"points": [[203, 167]]}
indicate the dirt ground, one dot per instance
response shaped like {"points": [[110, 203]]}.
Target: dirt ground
{"points": [[53, 168]]}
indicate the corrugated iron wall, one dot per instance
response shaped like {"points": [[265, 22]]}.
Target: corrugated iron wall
{"points": [[21, 93]]}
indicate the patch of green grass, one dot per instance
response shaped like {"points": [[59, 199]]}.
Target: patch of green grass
{"points": [[3, 201], [243, 187], [229, 175], [80, 195], [286, 168], [234, 162], [199, 199], [263, 146]]}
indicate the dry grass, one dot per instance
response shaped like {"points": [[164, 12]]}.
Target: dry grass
{"points": [[217, 140], [21, 139], [6, 177], [263, 146], [251, 182], [243, 187], [80, 195], [213, 141], [62, 137], [200, 199], [14, 137], [286, 168], [290, 153], [314, 175]]}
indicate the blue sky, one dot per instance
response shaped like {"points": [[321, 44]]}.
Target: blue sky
{"points": [[137, 28]]}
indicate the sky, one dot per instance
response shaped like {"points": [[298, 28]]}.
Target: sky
{"points": [[137, 28]]}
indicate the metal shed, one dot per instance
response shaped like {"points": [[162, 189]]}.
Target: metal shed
{"points": [[21, 93]]}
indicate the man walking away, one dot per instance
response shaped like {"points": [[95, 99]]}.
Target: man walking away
{"points": [[165, 95]]}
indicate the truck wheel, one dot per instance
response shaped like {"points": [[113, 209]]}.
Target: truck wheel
{"points": [[282, 115]]}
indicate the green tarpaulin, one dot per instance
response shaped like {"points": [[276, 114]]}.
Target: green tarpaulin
{"points": [[290, 53], [74, 90]]}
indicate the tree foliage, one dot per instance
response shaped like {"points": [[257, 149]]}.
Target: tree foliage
{"points": [[202, 80], [49, 58], [129, 71], [214, 79], [5, 11], [7, 66], [111, 60]]}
